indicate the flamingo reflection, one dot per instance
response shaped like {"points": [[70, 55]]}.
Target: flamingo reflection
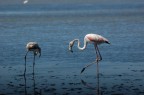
{"points": [[34, 86], [98, 90]]}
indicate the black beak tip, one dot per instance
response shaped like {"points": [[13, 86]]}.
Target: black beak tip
{"points": [[71, 51], [108, 42]]}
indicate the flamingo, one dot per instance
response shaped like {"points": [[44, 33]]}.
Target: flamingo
{"points": [[25, 1], [90, 38], [32, 46]]}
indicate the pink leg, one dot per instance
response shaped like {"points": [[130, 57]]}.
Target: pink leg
{"points": [[98, 55]]}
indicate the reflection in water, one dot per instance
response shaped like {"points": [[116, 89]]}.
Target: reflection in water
{"points": [[34, 86], [25, 85], [98, 91]]}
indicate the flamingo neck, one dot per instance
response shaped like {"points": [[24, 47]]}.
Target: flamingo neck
{"points": [[81, 48]]}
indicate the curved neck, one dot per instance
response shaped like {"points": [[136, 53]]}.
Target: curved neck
{"points": [[81, 48]]}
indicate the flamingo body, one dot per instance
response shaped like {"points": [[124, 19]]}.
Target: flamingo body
{"points": [[95, 38], [33, 46]]}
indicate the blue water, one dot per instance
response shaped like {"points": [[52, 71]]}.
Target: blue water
{"points": [[53, 26]]}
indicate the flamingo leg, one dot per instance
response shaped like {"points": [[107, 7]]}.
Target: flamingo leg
{"points": [[25, 62], [99, 58], [34, 83], [99, 52], [25, 85], [87, 66], [98, 55]]}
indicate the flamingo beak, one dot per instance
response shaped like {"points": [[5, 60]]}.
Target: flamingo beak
{"points": [[71, 45], [107, 42], [40, 55], [39, 52], [70, 49]]}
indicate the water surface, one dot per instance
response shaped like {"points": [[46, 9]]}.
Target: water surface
{"points": [[58, 70]]}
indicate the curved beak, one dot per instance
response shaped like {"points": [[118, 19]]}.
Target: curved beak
{"points": [[70, 49], [71, 45], [39, 52], [107, 42], [40, 55]]}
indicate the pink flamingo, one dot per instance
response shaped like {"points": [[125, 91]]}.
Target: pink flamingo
{"points": [[32, 46], [90, 38]]}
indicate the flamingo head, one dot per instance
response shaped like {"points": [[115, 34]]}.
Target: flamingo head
{"points": [[37, 51], [71, 43]]}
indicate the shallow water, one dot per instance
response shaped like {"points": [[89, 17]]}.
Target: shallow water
{"points": [[58, 70]]}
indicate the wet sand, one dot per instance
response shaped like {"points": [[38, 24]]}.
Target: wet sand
{"points": [[114, 79]]}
